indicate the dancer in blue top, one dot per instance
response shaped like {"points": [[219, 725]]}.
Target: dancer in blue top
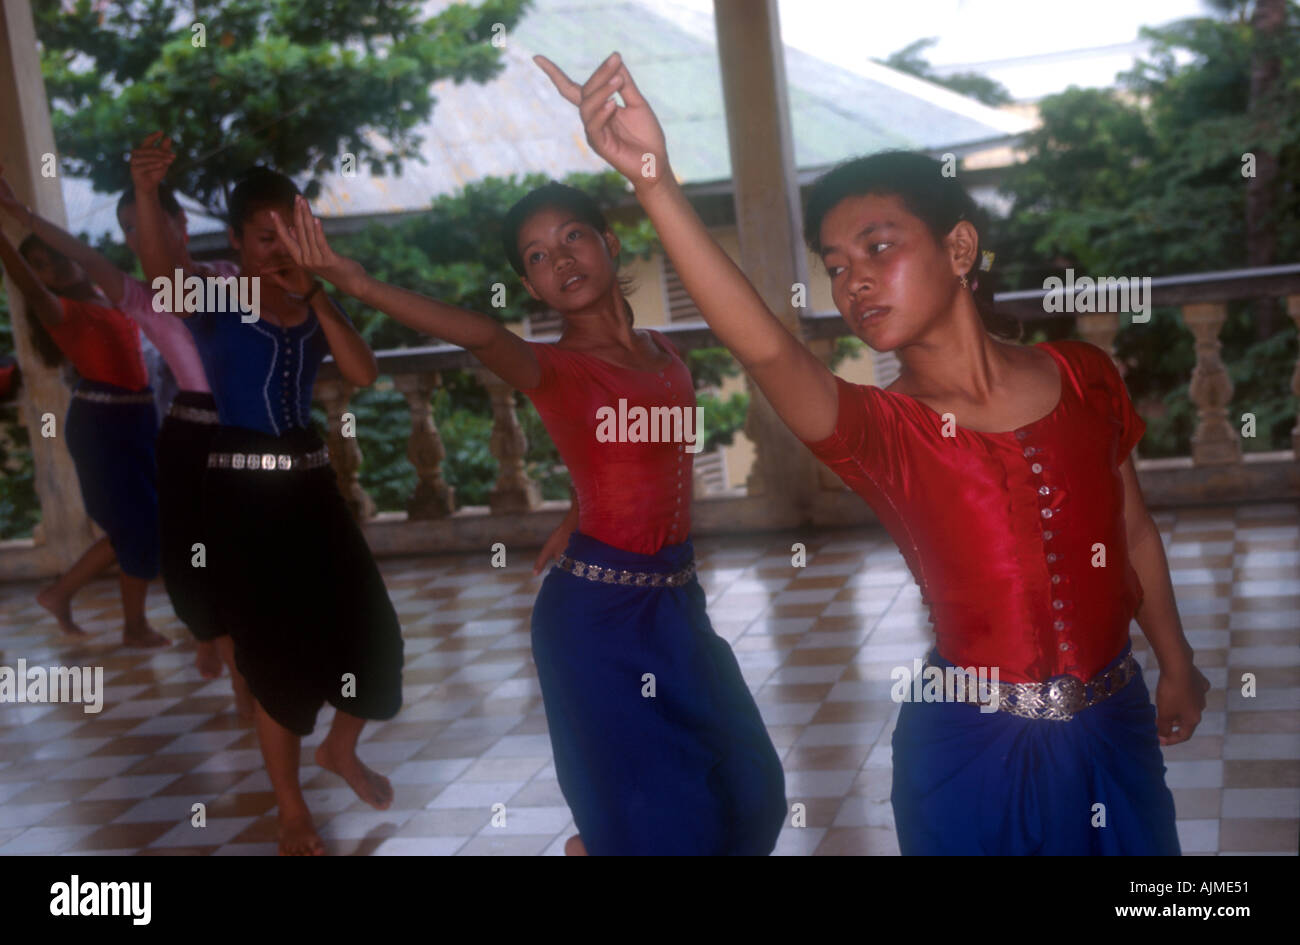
{"points": [[303, 599]]}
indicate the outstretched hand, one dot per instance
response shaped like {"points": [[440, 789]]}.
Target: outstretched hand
{"points": [[306, 245], [150, 161], [629, 138]]}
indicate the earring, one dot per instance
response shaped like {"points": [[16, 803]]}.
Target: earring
{"points": [[964, 284]]}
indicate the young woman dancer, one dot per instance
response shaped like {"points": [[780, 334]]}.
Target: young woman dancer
{"points": [[181, 446], [110, 425], [301, 595], [659, 747], [1036, 475]]}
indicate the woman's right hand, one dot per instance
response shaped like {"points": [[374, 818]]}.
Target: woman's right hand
{"points": [[630, 139], [558, 541], [150, 161], [307, 246]]}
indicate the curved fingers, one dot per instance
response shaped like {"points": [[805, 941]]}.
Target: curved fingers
{"points": [[563, 84], [286, 239], [631, 94], [604, 72]]}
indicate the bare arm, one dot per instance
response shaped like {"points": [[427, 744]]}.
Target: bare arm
{"points": [[46, 304], [159, 258], [107, 276], [501, 351], [1180, 694], [800, 388], [355, 360]]}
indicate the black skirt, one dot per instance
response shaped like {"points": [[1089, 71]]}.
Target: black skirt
{"points": [[298, 588], [183, 446]]}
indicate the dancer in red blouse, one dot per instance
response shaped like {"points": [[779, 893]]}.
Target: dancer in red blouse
{"points": [[1003, 474], [110, 426], [659, 747]]}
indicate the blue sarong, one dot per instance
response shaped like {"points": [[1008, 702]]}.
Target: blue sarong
{"points": [[973, 783], [112, 447], [687, 770]]}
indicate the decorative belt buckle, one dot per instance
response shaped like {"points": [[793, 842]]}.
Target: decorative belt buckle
{"points": [[283, 461], [268, 460], [237, 461], [1065, 697]]}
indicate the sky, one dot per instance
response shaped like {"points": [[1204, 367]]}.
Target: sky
{"points": [[1017, 42]]}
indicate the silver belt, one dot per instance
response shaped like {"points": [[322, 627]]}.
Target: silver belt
{"points": [[193, 414], [103, 397], [603, 575], [1061, 697], [268, 461]]}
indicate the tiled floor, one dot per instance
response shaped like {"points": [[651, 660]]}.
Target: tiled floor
{"points": [[816, 645]]}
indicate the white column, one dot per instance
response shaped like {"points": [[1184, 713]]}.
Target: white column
{"points": [[768, 220], [64, 531]]}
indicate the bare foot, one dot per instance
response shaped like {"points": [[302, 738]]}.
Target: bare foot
{"points": [[574, 846], [298, 837], [371, 786], [208, 660], [142, 635], [61, 609]]}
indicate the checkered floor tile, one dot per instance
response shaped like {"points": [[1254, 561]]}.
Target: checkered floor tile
{"points": [[816, 645]]}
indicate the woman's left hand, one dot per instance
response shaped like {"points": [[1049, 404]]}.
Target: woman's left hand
{"points": [[1180, 700]]}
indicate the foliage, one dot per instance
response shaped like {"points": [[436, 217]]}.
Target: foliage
{"points": [[722, 418], [19, 509], [296, 84], [1147, 180], [909, 59]]}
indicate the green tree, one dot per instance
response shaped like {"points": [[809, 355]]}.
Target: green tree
{"points": [[909, 59], [1149, 180], [295, 84]]}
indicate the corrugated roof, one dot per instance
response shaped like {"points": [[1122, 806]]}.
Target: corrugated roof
{"points": [[517, 123]]}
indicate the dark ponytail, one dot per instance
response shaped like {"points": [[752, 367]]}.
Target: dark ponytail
{"points": [[938, 200]]}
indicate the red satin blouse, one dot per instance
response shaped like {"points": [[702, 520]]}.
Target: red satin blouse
{"points": [[1004, 531], [102, 344], [633, 495]]}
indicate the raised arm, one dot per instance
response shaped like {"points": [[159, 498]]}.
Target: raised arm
{"points": [[800, 388], [502, 352], [46, 304], [159, 258], [107, 276]]}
